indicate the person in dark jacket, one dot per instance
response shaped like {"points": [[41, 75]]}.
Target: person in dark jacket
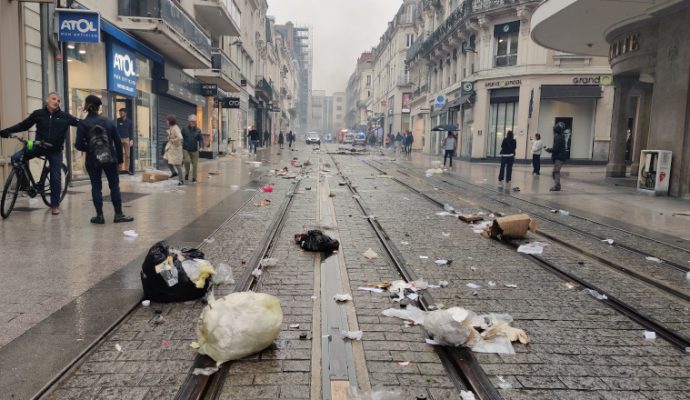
{"points": [[507, 157], [290, 138], [92, 105], [267, 139], [558, 155], [125, 129], [52, 125], [191, 142], [281, 139], [254, 137]]}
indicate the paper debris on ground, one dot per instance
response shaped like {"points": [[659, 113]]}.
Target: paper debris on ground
{"points": [[445, 214], [609, 241], [432, 342], [118, 347], [257, 273], [443, 283], [269, 262], [504, 384], [564, 212], [595, 294], [510, 227], [532, 248], [481, 227], [467, 395], [653, 259], [380, 285], [510, 285], [683, 213], [352, 335], [194, 345], [433, 171], [492, 283], [130, 233], [370, 289], [448, 208], [473, 286], [649, 335], [294, 326], [342, 297], [443, 262], [205, 371], [404, 363], [209, 240], [404, 243], [445, 234], [423, 257], [469, 218], [263, 203], [370, 254]]}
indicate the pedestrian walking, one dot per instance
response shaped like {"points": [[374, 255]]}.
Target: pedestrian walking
{"points": [[449, 145], [558, 155], [51, 126], [125, 129], [191, 142], [536, 154], [98, 137], [267, 139], [398, 142], [290, 138], [507, 157], [254, 137], [173, 149], [281, 140], [409, 139]]}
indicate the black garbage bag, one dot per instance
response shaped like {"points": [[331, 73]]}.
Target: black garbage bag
{"points": [[170, 283], [315, 240]]}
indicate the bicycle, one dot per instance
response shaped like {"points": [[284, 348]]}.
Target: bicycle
{"points": [[20, 179]]}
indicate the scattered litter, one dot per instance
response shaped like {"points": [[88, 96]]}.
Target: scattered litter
{"points": [[198, 271], [146, 303], [473, 268], [165, 279], [294, 326], [371, 289], [570, 285], [683, 213], [445, 214], [481, 227], [473, 286], [511, 227], [595, 294], [413, 296], [446, 234], [223, 275], [406, 198], [411, 313], [194, 345], [380, 285], [510, 285], [443, 262], [653, 259], [448, 208], [433, 171], [532, 248], [492, 283], [238, 325], [504, 384], [118, 347], [234, 187], [564, 212], [205, 371], [209, 240], [130, 233], [443, 283], [267, 189], [257, 272], [159, 320], [263, 203], [423, 257], [356, 196], [315, 240], [404, 363], [404, 243], [352, 335], [342, 297], [269, 262], [469, 218], [649, 335], [609, 241], [467, 395], [370, 254], [432, 342], [516, 189], [314, 297], [165, 344]]}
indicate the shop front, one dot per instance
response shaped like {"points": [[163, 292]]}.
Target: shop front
{"points": [[118, 70]]}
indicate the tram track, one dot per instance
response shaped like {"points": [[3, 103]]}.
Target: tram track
{"points": [[674, 338], [463, 368]]}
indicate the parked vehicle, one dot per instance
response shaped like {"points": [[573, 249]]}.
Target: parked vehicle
{"points": [[360, 139], [313, 138], [349, 138]]}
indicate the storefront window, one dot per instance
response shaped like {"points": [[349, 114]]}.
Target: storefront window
{"points": [[145, 143], [501, 119]]}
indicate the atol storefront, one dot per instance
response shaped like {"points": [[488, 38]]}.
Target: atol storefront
{"points": [[117, 68]]}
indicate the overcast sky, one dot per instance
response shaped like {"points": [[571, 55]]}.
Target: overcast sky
{"points": [[342, 30]]}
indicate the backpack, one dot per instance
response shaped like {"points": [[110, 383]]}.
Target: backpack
{"points": [[99, 145]]}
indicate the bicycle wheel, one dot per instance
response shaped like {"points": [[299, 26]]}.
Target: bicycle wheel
{"points": [[9, 194], [65, 179]]}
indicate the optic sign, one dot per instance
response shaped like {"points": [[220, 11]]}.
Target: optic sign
{"points": [[122, 73], [79, 26], [230, 102]]}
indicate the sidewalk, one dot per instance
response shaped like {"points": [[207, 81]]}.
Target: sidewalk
{"points": [[586, 192]]}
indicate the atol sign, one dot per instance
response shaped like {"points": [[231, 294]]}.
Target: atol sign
{"points": [[81, 26], [122, 69]]}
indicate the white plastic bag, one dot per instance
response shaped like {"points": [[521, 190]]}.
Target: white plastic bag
{"points": [[223, 275], [198, 271], [370, 254], [451, 326], [238, 325]]}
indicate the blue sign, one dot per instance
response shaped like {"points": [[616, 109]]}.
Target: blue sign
{"points": [[440, 102], [82, 26], [122, 69]]}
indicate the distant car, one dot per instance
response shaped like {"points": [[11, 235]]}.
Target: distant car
{"points": [[360, 139], [328, 138], [349, 138], [313, 138]]}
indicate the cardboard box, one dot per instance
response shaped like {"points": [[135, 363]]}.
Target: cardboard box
{"points": [[154, 177], [511, 227], [469, 218]]}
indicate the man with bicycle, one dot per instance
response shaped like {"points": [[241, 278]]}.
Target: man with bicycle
{"points": [[52, 125]]}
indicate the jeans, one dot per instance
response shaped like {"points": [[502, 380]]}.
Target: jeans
{"points": [[193, 158], [536, 163], [506, 168], [111, 173], [254, 143], [557, 164], [448, 155], [55, 163]]}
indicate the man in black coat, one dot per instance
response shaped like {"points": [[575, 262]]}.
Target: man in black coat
{"points": [[52, 125], [559, 155]]}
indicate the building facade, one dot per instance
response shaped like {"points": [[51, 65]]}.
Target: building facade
{"points": [[359, 92], [474, 65], [339, 112], [647, 48]]}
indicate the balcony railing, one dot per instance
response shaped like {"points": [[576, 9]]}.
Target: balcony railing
{"points": [[234, 11], [263, 85], [169, 12], [452, 23], [506, 60], [225, 65]]}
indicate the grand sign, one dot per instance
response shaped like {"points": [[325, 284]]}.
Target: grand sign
{"points": [[502, 84]]}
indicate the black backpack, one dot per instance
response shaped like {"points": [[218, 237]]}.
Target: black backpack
{"points": [[99, 145]]}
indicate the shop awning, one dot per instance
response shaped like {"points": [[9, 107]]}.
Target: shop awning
{"points": [[570, 91]]}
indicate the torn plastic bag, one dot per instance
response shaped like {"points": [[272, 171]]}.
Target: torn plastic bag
{"points": [[165, 280], [223, 275], [198, 271], [451, 326], [315, 240], [238, 325]]}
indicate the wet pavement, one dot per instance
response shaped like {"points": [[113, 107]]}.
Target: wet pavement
{"points": [[580, 348]]}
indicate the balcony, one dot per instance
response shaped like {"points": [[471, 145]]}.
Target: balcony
{"points": [[404, 81], [223, 72], [221, 17], [164, 25], [506, 60], [264, 88]]}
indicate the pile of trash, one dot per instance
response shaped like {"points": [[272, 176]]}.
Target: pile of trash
{"points": [[456, 326], [433, 171], [315, 240], [510, 227]]}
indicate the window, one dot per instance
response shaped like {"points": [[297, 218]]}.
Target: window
{"points": [[339, 108], [507, 36], [368, 80], [409, 40], [338, 99]]}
